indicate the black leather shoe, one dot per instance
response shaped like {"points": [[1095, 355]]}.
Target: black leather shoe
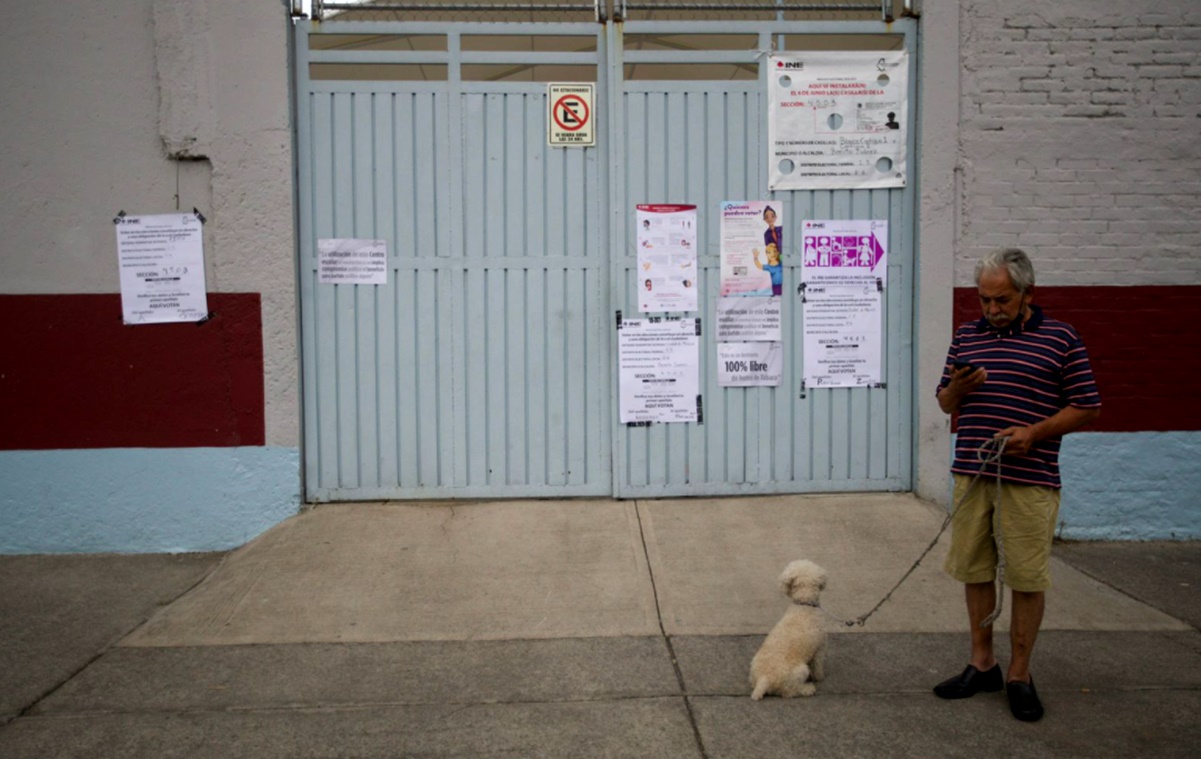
{"points": [[970, 682], [1023, 701]]}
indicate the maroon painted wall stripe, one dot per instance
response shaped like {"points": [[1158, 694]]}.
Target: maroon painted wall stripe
{"points": [[1144, 343], [72, 375]]}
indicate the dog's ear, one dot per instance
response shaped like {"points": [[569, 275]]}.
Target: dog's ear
{"points": [[786, 582]]}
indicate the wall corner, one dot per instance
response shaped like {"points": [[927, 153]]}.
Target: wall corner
{"points": [[938, 196]]}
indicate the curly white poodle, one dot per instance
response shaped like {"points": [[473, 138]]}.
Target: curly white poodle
{"points": [[791, 659]]}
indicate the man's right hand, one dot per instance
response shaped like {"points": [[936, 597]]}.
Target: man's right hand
{"points": [[969, 377], [963, 382]]}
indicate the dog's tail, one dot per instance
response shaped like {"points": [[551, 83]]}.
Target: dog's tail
{"points": [[760, 689]]}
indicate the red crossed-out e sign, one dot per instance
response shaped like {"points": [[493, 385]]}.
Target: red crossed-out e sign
{"points": [[570, 121], [571, 113]]}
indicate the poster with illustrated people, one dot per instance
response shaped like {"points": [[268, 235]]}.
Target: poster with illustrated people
{"points": [[844, 269], [749, 308], [846, 252], [837, 120], [753, 248], [666, 241]]}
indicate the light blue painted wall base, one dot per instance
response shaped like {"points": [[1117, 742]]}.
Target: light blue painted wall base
{"points": [[1130, 486], [1117, 486], [143, 500]]}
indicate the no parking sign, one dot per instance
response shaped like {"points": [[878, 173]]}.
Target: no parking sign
{"points": [[571, 116]]}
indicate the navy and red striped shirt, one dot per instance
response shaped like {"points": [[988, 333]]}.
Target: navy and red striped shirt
{"points": [[1035, 369]]}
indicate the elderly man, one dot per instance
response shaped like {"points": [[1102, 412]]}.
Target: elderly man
{"points": [[1025, 377]]}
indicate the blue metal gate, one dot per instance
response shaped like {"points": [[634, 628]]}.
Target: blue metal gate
{"points": [[485, 367]]}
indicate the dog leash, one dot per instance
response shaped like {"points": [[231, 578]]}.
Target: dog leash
{"points": [[996, 531], [988, 453]]}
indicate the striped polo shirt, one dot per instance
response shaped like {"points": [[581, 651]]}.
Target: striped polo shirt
{"points": [[1034, 369]]}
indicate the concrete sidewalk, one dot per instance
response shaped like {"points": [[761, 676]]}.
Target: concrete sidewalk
{"points": [[576, 629]]}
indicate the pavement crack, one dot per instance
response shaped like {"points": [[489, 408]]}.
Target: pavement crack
{"points": [[671, 651], [444, 528], [29, 708], [456, 707]]}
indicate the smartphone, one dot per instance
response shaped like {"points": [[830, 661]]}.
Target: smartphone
{"points": [[963, 365]]}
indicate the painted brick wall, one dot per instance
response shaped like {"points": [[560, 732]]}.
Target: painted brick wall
{"points": [[1144, 346], [1081, 139]]}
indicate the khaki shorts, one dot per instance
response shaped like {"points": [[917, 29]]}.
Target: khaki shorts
{"points": [[1028, 516]]}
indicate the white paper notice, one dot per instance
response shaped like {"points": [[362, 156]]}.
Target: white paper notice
{"points": [[842, 336], [746, 319], [837, 120], [659, 370], [162, 268], [750, 364], [852, 252], [666, 258], [753, 252], [352, 262]]}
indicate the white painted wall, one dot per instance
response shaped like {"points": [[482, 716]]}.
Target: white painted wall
{"points": [[94, 97], [80, 141], [938, 193]]}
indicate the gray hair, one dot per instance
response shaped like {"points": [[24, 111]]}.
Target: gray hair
{"points": [[1013, 262]]}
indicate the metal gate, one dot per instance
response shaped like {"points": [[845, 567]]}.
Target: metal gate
{"points": [[485, 367]]}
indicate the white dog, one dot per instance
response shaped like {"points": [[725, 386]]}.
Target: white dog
{"points": [[791, 659]]}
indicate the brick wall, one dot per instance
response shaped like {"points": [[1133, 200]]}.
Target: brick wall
{"points": [[1144, 346], [1081, 139]]}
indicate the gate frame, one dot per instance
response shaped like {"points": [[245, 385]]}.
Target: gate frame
{"points": [[610, 58], [453, 58], [770, 41]]}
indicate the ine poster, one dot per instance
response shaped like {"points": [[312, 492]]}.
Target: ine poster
{"points": [[666, 258], [843, 346], [659, 370], [837, 120], [161, 260], [848, 252]]}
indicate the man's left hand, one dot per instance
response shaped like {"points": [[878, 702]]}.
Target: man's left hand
{"points": [[1020, 440]]}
